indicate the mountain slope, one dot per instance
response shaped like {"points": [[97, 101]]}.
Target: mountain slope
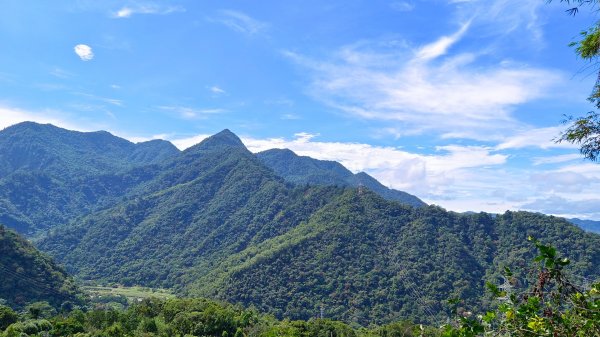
{"points": [[49, 175], [28, 276], [215, 220], [302, 170], [367, 260], [587, 225], [213, 200]]}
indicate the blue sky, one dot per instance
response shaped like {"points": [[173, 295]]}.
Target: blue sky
{"points": [[455, 101]]}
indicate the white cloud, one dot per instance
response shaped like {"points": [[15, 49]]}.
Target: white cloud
{"points": [[184, 143], [426, 90], [240, 22], [112, 101], [84, 52], [542, 138], [503, 17], [149, 8], [192, 113], [419, 174], [61, 73], [570, 208], [556, 159], [441, 46], [10, 116], [217, 90]]}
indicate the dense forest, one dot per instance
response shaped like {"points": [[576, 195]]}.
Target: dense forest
{"points": [[288, 235], [29, 276], [551, 306]]}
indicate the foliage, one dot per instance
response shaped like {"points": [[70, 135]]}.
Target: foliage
{"points": [[49, 176], [189, 317], [585, 131], [366, 260], [197, 317], [28, 276], [214, 221], [552, 306], [7, 316]]}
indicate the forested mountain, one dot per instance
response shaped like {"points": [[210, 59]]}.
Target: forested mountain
{"points": [[215, 220], [366, 260], [587, 225], [49, 175], [28, 276], [215, 199], [305, 170]]}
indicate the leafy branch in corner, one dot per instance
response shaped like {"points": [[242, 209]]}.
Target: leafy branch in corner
{"points": [[553, 306]]}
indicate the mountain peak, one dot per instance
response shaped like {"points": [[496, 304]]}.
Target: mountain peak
{"points": [[224, 138]]}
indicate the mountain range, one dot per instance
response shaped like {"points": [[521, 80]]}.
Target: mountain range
{"points": [[284, 233]]}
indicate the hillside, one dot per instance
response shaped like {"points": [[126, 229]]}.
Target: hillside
{"points": [[214, 221], [587, 225], [302, 170], [49, 175], [28, 276], [213, 200], [367, 260]]}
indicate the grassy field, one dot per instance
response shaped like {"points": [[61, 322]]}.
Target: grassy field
{"points": [[132, 294]]}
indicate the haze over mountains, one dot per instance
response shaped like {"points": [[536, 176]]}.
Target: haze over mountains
{"points": [[285, 233]]}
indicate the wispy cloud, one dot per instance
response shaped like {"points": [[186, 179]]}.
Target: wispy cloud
{"points": [[557, 159], [11, 115], [440, 47], [61, 73], [587, 208], [423, 88], [542, 138], [217, 90], [240, 22], [145, 8], [84, 52], [112, 101], [503, 17], [192, 113]]}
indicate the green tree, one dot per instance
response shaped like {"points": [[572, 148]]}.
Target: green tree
{"points": [[7, 317], [585, 131], [553, 306]]}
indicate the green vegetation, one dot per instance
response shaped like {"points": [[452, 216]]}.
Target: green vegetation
{"points": [[552, 306], [585, 131], [28, 276], [192, 317], [49, 176], [214, 221], [301, 170]]}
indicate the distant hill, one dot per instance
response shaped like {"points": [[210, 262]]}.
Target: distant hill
{"points": [[587, 225], [28, 276], [302, 170]]}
